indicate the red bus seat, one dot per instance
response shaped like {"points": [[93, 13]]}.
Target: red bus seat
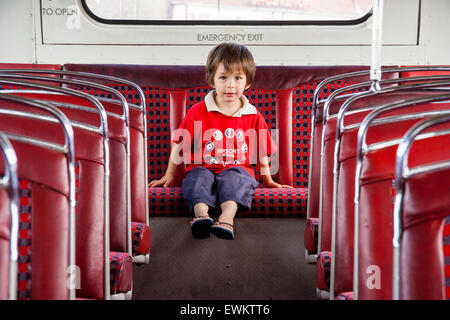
{"points": [[375, 201], [138, 225], [90, 191], [327, 164], [422, 239], [91, 199], [46, 211], [89, 167], [323, 91], [344, 193]]}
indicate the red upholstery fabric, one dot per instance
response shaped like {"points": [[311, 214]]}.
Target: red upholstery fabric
{"points": [[178, 111], [117, 163], [425, 256], [315, 165], [24, 241], [376, 201], [345, 190], [141, 238], [407, 74], [48, 204], [121, 267], [267, 77], [323, 270], [284, 121], [345, 296], [267, 202], [310, 234], [345, 206], [29, 66]]}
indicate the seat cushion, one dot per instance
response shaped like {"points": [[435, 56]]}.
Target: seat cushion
{"points": [[121, 270], [141, 240], [267, 202], [311, 234], [345, 296], [323, 268]]}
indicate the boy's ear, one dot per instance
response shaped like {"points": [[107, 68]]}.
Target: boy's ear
{"points": [[248, 86]]}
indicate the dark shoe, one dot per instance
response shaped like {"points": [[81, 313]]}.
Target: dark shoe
{"points": [[223, 232], [200, 227]]}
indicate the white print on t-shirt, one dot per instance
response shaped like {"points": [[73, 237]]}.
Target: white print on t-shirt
{"points": [[240, 135], [229, 133], [209, 146], [218, 135], [231, 150], [230, 146]]}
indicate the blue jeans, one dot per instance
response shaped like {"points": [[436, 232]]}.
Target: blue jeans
{"points": [[201, 185]]}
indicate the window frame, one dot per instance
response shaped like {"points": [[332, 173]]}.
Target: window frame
{"points": [[137, 22]]}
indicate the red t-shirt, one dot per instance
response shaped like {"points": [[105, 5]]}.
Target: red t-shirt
{"points": [[217, 141]]}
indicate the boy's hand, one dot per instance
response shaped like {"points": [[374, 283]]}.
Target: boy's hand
{"points": [[166, 180], [273, 184]]}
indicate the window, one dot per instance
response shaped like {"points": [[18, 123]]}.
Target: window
{"points": [[228, 12]]}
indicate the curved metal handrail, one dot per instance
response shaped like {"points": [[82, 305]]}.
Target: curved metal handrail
{"points": [[10, 182]]}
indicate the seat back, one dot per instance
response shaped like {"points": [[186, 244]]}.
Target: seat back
{"points": [[422, 228], [9, 221], [47, 192]]}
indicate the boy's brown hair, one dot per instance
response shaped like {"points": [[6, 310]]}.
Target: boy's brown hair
{"points": [[232, 55]]}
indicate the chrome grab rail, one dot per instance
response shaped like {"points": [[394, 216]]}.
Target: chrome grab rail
{"points": [[11, 183]]}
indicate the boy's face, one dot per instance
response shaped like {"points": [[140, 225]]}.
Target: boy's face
{"points": [[229, 85]]}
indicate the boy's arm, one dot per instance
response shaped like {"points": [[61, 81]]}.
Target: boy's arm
{"points": [[264, 171], [169, 176]]}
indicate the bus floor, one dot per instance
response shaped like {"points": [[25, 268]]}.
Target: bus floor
{"points": [[265, 261]]}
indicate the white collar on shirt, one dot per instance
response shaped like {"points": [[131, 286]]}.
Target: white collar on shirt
{"points": [[246, 108]]}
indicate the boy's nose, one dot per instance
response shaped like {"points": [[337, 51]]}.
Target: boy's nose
{"points": [[230, 83]]}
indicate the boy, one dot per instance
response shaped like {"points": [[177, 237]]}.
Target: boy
{"points": [[218, 136]]}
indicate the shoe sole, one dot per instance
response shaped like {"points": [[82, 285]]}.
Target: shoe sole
{"points": [[200, 228], [223, 233]]}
